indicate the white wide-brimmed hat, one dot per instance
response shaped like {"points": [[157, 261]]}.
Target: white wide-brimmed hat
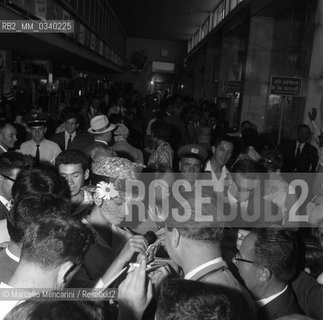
{"points": [[100, 124]]}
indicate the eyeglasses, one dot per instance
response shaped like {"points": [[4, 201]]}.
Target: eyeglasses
{"points": [[8, 178], [238, 258]]}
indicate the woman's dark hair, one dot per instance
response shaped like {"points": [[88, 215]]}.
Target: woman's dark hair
{"points": [[160, 130], [249, 137], [247, 166]]}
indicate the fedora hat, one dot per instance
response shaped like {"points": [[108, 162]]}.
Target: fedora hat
{"points": [[100, 124]]}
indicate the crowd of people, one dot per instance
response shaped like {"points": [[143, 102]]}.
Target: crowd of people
{"points": [[216, 224]]}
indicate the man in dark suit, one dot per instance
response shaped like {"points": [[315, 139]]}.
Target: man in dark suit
{"points": [[8, 136], [195, 245], [70, 138], [299, 155], [267, 262], [11, 163]]}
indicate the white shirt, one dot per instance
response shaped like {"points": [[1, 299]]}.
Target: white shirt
{"points": [[265, 301], [189, 275], [3, 148], [5, 202], [4, 235], [67, 137], [11, 255], [48, 150], [218, 184]]}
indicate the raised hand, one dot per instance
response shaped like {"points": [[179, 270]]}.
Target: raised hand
{"points": [[312, 115], [135, 293], [136, 244], [159, 275]]}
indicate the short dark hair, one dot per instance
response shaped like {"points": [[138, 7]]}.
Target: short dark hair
{"points": [[161, 130], [299, 127], [192, 228], [73, 157], [55, 310], [247, 167], [30, 209], [69, 113], [313, 256], [14, 160], [54, 239], [190, 300], [218, 139], [245, 122], [42, 180], [276, 249]]}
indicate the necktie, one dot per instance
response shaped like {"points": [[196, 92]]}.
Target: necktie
{"points": [[69, 143], [37, 155], [298, 152]]}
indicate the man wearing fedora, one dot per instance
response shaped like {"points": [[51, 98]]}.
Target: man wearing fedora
{"points": [[101, 129], [39, 147]]}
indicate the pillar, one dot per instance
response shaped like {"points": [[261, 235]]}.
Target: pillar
{"points": [[257, 71]]}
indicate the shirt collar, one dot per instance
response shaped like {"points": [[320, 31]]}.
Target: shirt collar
{"points": [[3, 148], [224, 172], [39, 143], [265, 301], [101, 141], [67, 135], [11, 255], [4, 200], [190, 274]]}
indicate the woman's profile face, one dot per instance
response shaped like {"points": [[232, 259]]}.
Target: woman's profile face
{"points": [[114, 210]]}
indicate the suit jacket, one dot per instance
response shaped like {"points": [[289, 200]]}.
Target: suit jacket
{"points": [[306, 162], [80, 142], [284, 305], [309, 294], [3, 211], [219, 274]]}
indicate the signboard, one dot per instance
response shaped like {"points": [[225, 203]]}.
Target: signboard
{"points": [[232, 86], [40, 8], [92, 42], [286, 86], [101, 48], [81, 34]]}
